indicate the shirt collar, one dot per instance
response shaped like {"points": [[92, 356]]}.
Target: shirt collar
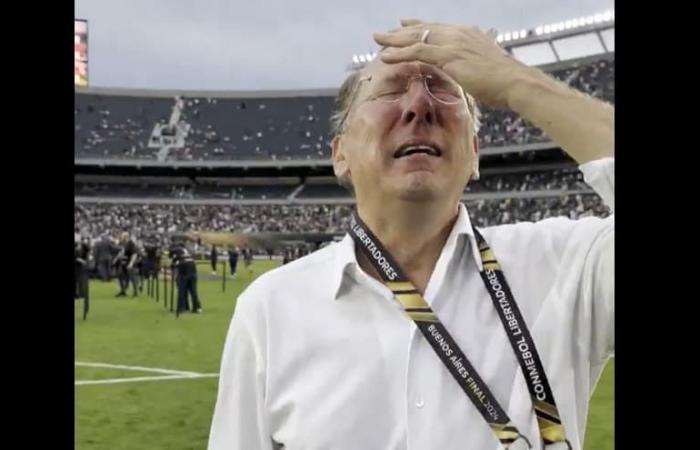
{"points": [[345, 258]]}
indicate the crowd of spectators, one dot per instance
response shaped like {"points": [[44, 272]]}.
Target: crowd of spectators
{"points": [[282, 128], [95, 219], [569, 179], [198, 192]]}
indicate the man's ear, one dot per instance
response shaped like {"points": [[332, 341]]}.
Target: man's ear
{"points": [[340, 162], [475, 168]]}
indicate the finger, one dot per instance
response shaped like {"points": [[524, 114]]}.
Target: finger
{"points": [[412, 35], [409, 22], [429, 54], [398, 39]]}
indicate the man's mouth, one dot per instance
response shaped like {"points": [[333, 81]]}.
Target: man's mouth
{"points": [[412, 149]]}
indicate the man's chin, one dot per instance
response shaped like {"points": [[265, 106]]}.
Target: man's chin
{"points": [[417, 196], [418, 189]]}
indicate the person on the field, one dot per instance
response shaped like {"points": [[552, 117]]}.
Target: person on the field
{"points": [[213, 258], [186, 277], [126, 261], [419, 330], [138, 266], [114, 251], [248, 258], [151, 257], [233, 253], [103, 258], [82, 256]]}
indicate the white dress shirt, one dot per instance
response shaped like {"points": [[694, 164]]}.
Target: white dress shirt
{"points": [[320, 356]]}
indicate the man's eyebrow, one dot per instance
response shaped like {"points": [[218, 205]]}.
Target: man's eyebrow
{"points": [[392, 77], [428, 69], [422, 70]]}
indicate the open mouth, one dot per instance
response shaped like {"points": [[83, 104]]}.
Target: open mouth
{"points": [[412, 149]]}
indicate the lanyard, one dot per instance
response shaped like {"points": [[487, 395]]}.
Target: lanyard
{"points": [[415, 306]]}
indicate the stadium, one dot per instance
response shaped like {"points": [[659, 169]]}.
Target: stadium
{"points": [[159, 164]]}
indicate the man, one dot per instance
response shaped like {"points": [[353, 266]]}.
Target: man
{"points": [[82, 256], [329, 352], [151, 257], [233, 260], [114, 251], [213, 258], [186, 277], [248, 258], [138, 266], [126, 261], [103, 258], [90, 265]]}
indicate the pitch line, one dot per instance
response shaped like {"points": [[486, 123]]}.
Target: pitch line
{"points": [[169, 374]]}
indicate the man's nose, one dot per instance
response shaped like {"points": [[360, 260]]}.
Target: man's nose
{"points": [[418, 105]]}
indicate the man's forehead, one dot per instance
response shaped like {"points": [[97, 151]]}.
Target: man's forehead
{"points": [[380, 69]]}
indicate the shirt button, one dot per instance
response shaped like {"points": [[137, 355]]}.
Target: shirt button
{"points": [[420, 403]]}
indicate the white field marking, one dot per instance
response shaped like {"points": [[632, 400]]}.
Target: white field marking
{"points": [[136, 368], [156, 378]]}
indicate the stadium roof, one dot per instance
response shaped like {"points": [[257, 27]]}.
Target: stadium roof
{"points": [[551, 43], [168, 93]]}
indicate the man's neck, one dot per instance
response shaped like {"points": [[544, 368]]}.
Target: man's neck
{"points": [[413, 234]]}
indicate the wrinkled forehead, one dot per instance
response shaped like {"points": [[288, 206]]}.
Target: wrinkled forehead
{"points": [[380, 70]]}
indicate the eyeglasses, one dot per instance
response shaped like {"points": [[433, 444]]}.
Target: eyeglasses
{"points": [[394, 88]]}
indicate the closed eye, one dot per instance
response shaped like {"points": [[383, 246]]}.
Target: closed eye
{"points": [[390, 95]]}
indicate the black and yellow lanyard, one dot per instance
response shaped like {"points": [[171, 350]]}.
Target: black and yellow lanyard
{"points": [[548, 419]]}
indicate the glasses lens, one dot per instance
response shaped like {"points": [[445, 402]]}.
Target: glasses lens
{"points": [[390, 90], [443, 89]]}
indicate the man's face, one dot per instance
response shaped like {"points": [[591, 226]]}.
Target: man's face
{"points": [[371, 151]]}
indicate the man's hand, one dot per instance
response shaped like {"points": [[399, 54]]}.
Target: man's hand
{"points": [[467, 54], [582, 125]]}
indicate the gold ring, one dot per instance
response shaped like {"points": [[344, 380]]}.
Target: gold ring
{"points": [[424, 37]]}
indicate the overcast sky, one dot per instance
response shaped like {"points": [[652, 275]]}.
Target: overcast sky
{"points": [[272, 44]]}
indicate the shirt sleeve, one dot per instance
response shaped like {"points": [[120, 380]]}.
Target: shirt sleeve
{"points": [[599, 267], [600, 175], [240, 421], [599, 278]]}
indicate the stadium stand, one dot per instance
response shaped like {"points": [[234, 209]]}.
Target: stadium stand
{"points": [[277, 129], [321, 187], [523, 177], [117, 126], [143, 219], [187, 192], [274, 128]]}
